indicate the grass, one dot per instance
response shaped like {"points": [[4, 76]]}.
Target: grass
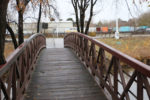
{"points": [[9, 45], [8, 49], [137, 47], [46, 35]]}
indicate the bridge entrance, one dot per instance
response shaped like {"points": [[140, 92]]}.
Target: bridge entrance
{"points": [[54, 43]]}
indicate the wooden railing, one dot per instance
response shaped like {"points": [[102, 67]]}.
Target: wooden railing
{"points": [[16, 73], [119, 75]]}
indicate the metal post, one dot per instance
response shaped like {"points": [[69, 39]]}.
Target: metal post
{"points": [[57, 29], [117, 29]]}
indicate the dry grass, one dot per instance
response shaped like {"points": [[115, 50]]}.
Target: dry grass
{"points": [[8, 49], [47, 35], [50, 35], [137, 47], [9, 45], [92, 34]]}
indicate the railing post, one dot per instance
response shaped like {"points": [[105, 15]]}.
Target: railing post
{"points": [[85, 49], [147, 85], [22, 71], [14, 91], [91, 56], [123, 80], [75, 43], [0, 89], [101, 64], [94, 58], [130, 82], [116, 64], [108, 72], [78, 45], [101, 57], [139, 86], [83, 46]]}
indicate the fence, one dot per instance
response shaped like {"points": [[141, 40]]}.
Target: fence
{"points": [[111, 67], [16, 73]]}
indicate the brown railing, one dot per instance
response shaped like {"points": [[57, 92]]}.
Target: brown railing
{"points": [[16, 73], [119, 75]]}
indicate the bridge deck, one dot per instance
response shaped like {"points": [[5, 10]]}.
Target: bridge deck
{"points": [[59, 75]]}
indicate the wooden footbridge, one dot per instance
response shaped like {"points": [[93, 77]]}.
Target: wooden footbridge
{"points": [[85, 70]]}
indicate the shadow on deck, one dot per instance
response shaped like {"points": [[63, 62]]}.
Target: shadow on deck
{"points": [[59, 75]]}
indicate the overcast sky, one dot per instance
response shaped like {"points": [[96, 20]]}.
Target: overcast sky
{"points": [[105, 10]]}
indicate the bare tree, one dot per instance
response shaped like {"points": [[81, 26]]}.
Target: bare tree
{"points": [[39, 18], [80, 7], [3, 13], [93, 2], [75, 6], [144, 19], [45, 6], [21, 6]]}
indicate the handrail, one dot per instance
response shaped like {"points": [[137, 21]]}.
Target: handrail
{"points": [[16, 73], [95, 55]]}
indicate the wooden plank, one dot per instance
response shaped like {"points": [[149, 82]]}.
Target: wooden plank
{"points": [[59, 75]]}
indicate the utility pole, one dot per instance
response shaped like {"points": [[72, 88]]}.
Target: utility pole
{"points": [[57, 29], [117, 29]]}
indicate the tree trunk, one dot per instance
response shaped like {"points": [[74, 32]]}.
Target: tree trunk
{"points": [[20, 27], [12, 35], [82, 5], [20, 19], [3, 12], [77, 21], [39, 19], [90, 18], [75, 6], [88, 23], [82, 20]]}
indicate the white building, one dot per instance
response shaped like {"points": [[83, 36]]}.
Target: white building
{"points": [[60, 27], [53, 27]]}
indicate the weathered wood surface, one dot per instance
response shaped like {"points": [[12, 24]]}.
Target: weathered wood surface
{"points": [[59, 75]]}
